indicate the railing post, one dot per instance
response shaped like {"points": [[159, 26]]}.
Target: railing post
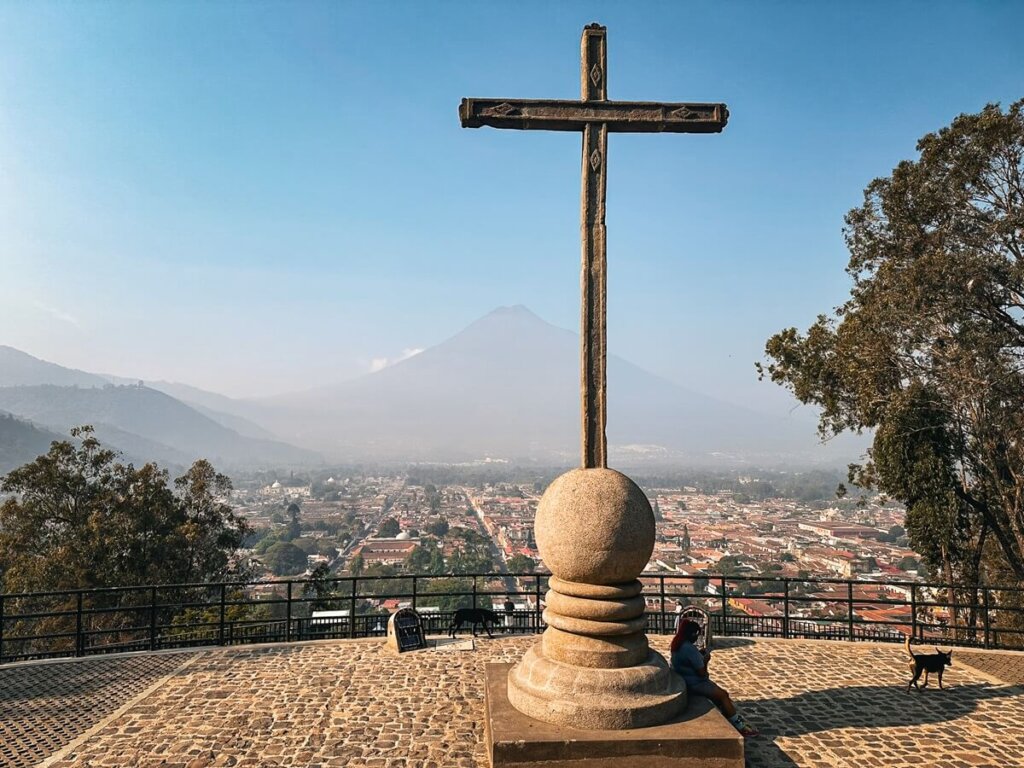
{"points": [[661, 582], [537, 613], [223, 600], [985, 616], [79, 638], [474, 593], [785, 608], [288, 615], [1, 628], [725, 604], [849, 607], [414, 593], [913, 611], [152, 618], [352, 610]]}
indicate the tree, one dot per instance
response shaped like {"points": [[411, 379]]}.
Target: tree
{"points": [[285, 559], [80, 519], [907, 563], [521, 564], [356, 566], [439, 528], [730, 565], [203, 622], [442, 597], [320, 589], [419, 560], [928, 351], [309, 546], [389, 529], [294, 528], [437, 563]]}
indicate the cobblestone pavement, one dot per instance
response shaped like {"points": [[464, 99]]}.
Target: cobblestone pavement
{"points": [[1007, 666], [352, 703], [820, 703], [45, 706]]}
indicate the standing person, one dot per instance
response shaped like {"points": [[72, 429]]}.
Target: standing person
{"points": [[692, 665], [679, 614], [510, 609]]}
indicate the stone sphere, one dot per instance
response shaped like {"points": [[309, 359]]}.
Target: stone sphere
{"points": [[595, 526]]}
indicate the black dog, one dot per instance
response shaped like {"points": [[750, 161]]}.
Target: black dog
{"points": [[475, 616], [927, 663]]}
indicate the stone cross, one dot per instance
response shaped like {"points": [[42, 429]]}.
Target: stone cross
{"points": [[595, 117]]}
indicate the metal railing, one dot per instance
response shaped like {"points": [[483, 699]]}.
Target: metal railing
{"points": [[154, 617]]}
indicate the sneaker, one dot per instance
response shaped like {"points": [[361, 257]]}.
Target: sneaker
{"points": [[746, 730]]}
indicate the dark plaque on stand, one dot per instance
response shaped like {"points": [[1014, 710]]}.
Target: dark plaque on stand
{"points": [[405, 631]]}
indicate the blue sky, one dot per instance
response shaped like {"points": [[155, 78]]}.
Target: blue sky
{"points": [[262, 197]]}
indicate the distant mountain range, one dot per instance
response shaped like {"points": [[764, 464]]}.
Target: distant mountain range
{"points": [[141, 421], [507, 386], [21, 441]]}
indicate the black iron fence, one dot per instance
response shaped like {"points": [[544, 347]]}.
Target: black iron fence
{"points": [[155, 617]]}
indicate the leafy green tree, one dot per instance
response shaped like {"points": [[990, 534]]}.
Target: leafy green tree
{"points": [[521, 564], [285, 559], [320, 589], [80, 519], [204, 623], [389, 529], [419, 560], [265, 543], [294, 528], [929, 349], [307, 545], [439, 528], [437, 562], [730, 565], [474, 555], [442, 594], [356, 566]]}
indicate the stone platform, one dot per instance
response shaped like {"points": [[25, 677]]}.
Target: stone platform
{"points": [[353, 703], [699, 738]]}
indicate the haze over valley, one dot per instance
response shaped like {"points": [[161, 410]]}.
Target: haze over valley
{"points": [[503, 388]]}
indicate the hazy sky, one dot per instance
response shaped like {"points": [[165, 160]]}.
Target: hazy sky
{"points": [[261, 197]]}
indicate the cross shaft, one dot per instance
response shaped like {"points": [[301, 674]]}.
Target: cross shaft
{"points": [[594, 116]]}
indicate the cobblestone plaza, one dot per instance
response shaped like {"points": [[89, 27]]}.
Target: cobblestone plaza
{"points": [[353, 703]]}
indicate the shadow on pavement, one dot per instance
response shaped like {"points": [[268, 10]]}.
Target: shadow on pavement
{"points": [[864, 707]]}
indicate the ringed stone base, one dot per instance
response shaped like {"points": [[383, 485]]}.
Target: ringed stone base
{"points": [[698, 737], [584, 697]]}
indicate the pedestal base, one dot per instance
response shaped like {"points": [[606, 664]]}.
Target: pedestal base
{"points": [[698, 737], [637, 696]]}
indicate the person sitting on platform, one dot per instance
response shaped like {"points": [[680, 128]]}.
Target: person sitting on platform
{"points": [[692, 665]]}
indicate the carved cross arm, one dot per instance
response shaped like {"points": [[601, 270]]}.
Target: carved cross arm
{"points": [[568, 115]]}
